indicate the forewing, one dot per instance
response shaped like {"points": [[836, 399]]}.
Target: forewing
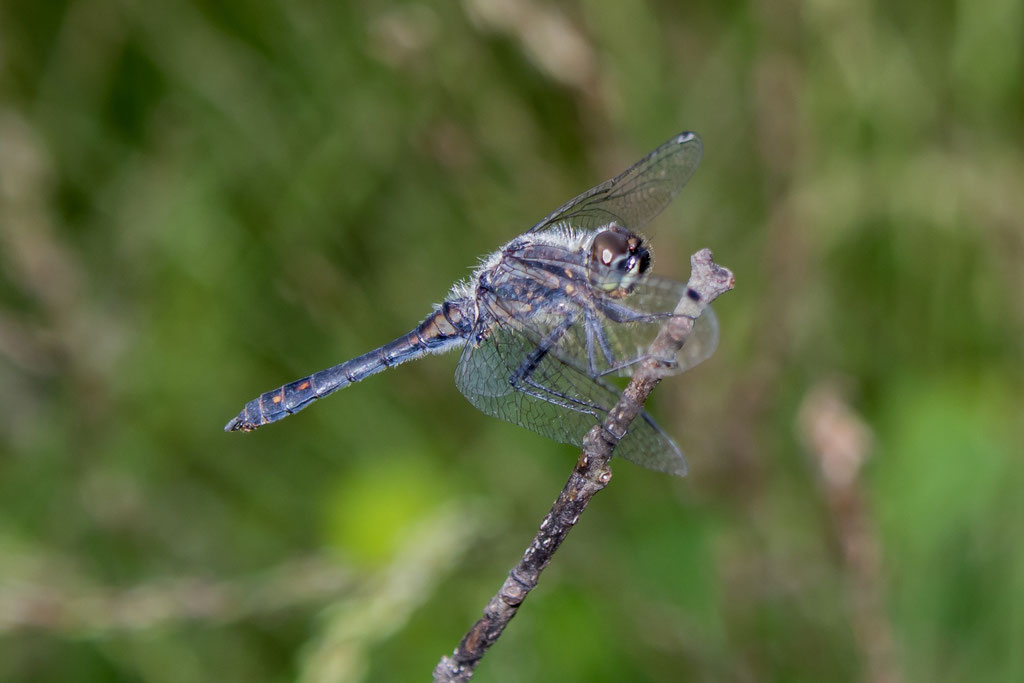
{"points": [[638, 194], [555, 399]]}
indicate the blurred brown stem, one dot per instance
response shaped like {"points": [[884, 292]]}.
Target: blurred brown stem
{"points": [[841, 442], [591, 474]]}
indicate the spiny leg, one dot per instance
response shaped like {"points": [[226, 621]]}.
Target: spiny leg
{"points": [[522, 378], [549, 395], [624, 314]]}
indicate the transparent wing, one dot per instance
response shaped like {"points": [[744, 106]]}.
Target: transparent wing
{"points": [[506, 376], [632, 323], [638, 194]]}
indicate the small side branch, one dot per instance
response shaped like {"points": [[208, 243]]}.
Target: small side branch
{"points": [[591, 474]]}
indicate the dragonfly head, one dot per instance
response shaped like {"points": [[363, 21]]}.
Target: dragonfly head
{"points": [[617, 259]]}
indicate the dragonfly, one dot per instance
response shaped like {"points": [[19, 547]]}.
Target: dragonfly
{"points": [[547, 321]]}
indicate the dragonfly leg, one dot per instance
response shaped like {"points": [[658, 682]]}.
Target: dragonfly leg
{"points": [[522, 379], [602, 340], [532, 388], [624, 314], [591, 354], [534, 358]]}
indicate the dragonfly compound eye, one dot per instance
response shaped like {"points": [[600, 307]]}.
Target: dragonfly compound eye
{"points": [[617, 258], [610, 248]]}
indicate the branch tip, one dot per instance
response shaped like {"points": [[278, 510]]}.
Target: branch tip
{"points": [[591, 472]]}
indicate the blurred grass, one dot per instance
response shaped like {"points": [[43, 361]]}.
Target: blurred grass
{"points": [[199, 201]]}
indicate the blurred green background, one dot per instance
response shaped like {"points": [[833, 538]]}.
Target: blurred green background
{"points": [[200, 201]]}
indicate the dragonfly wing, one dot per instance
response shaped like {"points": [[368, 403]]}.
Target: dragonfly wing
{"points": [[503, 374], [636, 195]]}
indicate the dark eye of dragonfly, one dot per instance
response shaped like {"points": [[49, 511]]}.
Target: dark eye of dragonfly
{"points": [[617, 259]]}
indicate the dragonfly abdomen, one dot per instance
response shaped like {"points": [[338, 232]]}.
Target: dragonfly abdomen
{"points": [[443, 329]]}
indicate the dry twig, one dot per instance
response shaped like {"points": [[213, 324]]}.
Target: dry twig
{"points": [[591, 474]]}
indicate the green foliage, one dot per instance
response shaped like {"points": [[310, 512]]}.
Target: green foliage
{"points": [[200, 201]]}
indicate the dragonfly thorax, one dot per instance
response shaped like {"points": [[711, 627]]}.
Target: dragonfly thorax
{"points": [[618, 258]]}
